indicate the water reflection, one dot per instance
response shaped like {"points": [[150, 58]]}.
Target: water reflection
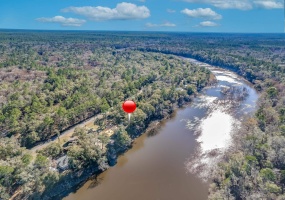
{"points": [[94, 182], [225, 105], [174, 161], [153, 132]]}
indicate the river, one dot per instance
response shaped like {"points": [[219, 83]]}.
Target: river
{"points": [[174, 161]]}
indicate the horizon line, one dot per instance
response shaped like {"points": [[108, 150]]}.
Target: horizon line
{"points": [[89, 30]]}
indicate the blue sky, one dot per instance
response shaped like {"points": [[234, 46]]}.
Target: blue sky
{"points": [[144, 15]]}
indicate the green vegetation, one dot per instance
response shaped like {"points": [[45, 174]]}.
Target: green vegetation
{"points": [[254, 167], [51, 81]]}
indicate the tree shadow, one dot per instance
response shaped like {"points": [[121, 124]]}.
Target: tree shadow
{"points": [[153, 132], [97, 180]]}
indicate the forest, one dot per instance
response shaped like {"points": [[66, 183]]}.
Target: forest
{"points": [[253, 167], [52, 80]]}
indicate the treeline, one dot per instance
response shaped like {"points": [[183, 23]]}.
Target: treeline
{"points": [[253, 167], [51, 81], [36, 111]]}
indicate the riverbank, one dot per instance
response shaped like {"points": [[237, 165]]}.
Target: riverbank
{"points": [[70, 180], [73, 181], [234, 68], [157, 164]]}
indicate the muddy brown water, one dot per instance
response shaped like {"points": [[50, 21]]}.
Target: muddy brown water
{"points": [[157, 167]]}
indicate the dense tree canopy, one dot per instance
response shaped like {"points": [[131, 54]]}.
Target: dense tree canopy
{"points": [[52, 81]]}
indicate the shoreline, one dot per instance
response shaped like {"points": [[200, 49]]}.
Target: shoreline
{"points": [[152, 126], [74, 180], [90, 173]]}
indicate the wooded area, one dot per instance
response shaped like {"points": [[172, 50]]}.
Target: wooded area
{"points": [[53, 80], [253, 167]]}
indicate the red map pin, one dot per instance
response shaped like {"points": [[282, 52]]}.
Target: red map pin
{"points": [[129, 106]]}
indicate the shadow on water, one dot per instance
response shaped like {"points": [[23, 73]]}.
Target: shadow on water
{"points": [[95, 181], [153, 132], [155, 167], [76, 188], [90, 183], [156, 128]]}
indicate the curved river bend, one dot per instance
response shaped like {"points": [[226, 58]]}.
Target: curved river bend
{"points": [[173, 162]]}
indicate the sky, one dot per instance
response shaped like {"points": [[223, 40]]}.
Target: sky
{"points": [[243, 16]]}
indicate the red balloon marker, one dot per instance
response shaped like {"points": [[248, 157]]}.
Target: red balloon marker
{"points": [[129, 107]]}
